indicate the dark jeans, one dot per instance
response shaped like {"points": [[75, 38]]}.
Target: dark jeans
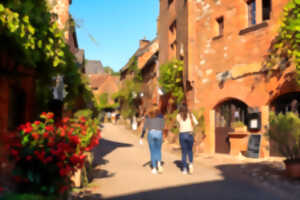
{"points": [[155, 140], [186, 143]]}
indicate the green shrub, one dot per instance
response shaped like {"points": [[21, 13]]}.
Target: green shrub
{"points": [[26, 197], [86, 113], [200, 128], [284, 130]]}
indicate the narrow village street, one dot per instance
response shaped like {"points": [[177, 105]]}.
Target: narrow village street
{"points": [[123, 172]]}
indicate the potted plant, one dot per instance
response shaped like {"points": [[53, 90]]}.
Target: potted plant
{"points": [[238, 126], [284, 130]]}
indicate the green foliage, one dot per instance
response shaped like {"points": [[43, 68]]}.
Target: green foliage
{"points": [[103, 99], [286, 46], [29, 24], [199, 115], [104, 102], [171, 122], [13, 196], [128, 95], [237, 124], [132, 87], [31, 36], [133, 68], [284, 130], [86, 113], [171, 79], [109, 70]]}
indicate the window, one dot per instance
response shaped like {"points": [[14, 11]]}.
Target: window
{"points": [[220, 22], [266, 9], [172, 27], [170, 2], [251, 12]]}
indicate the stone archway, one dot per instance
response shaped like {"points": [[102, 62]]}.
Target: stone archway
{"points": [[226, 112]]}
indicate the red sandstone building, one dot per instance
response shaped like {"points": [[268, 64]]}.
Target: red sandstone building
{"points": [[147, 62], [224, 44]]}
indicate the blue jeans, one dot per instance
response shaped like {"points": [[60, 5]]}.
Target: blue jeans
{"points": [[186, 143], [155, 140]]}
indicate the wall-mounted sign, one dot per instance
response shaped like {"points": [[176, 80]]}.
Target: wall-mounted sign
{"points": [[254, 121], [254, 144]]}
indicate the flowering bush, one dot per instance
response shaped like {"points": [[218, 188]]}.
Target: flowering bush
{"points": [[46, 155]]}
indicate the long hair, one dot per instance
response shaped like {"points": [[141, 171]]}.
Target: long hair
{"points": [[183, 112], [153, 111]]}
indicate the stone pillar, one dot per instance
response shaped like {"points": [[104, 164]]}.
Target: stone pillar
{"points": [[265, 143]]}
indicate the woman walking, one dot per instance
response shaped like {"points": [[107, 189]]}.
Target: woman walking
{"points": [[154, 123], [186, 121]]}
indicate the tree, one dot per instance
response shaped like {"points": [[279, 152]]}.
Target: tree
{"points": [[109, 70]]}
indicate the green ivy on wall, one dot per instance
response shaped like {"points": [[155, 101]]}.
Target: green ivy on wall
{"points": [[31, 35], [171, 79], [286, 46]]}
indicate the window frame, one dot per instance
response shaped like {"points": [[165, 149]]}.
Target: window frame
{"points": [[252, 10]]}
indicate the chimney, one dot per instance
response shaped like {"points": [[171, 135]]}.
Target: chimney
{"points": [[144, 43]]}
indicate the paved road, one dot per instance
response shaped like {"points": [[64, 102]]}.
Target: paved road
{"points": [[123, 173]]}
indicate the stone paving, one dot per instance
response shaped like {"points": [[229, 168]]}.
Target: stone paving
{"points": [[122, 172]]}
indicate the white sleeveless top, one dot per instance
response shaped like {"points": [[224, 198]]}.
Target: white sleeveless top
{"points": [[186, 125]]}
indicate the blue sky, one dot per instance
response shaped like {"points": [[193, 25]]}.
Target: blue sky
{"points": [[116, 25]]}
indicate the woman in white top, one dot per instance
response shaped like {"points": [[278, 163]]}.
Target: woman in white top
{"points": [[186, 121]]}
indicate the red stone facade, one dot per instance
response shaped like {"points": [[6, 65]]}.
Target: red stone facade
{"points": [[224, 45], [104, 83], [61, 9], [147, 61]]}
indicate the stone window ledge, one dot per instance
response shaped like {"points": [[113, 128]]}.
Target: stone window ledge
{"points": [[253, 28]]}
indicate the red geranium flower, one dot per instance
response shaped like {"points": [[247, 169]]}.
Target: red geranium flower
{"points": [[28, 158], [49, 128], [35, 136], [50, 115], [37, 123], [46, 135], [63, 189], [66, 119], [27, 129], [14, 152], [75, 139]]}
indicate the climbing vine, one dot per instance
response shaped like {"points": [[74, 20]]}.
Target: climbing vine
{"points": [[30, 33], [128, 94], [286, 46]]}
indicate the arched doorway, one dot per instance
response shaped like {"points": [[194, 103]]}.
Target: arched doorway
{"points": [[289, 102], [228, 111]]}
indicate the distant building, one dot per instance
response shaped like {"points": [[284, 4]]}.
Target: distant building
{"points": [[147, 61], [93, 67]]}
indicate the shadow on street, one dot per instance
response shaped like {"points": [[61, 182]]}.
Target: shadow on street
{"points": [[105, 147], [232, 187]]}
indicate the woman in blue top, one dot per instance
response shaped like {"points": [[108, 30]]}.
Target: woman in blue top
{"points": [[154, 122]]}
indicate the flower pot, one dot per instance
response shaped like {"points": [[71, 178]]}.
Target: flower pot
{"points": [[292, 168]]}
